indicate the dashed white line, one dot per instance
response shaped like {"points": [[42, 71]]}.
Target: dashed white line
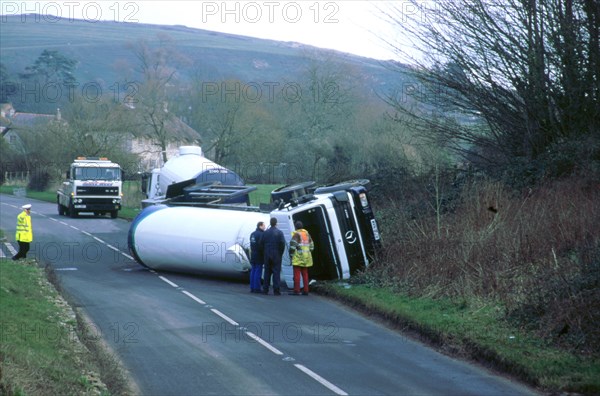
{"points": [[225, 317], [190, 295], [320, 379], [167, 281], [99, 240], [112, 247], [10, 248], [264, 343]]}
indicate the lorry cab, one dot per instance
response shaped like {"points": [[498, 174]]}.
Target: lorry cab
{"points": [[341, 223], [93, 184]]}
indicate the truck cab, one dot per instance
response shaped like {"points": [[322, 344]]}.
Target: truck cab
{"points": [[93, 184], [341, 223]]}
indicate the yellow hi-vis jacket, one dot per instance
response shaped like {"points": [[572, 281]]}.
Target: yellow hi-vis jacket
{"points": [[300, 247], [24, 232]]}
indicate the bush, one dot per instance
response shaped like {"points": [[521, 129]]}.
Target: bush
{"points": [[39, 181], [537, 251]]}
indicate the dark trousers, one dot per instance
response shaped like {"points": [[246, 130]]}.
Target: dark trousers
{"points": [[272, 268], [23, 249], [300, 272], [255, 275]]}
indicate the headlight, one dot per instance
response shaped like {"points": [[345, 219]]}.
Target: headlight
{"points": [[363, 200]]}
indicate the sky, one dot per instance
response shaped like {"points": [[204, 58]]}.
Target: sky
{"points": [[346, 25]]}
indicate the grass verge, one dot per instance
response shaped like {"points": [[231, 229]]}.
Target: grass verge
{"points": [[475, 330], [45, 348]]}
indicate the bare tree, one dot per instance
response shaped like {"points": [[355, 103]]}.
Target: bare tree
{"points": [[218, 109], [321, 114], [528, 69], [157, 65]]}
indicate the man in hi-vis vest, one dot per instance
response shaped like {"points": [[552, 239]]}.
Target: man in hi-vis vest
{"points": [[24, 234], [301, 247]]}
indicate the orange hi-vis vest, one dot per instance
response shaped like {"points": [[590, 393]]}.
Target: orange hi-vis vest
{"points": [[302, 245]]}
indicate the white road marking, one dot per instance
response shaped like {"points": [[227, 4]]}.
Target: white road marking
{"points": [[128, 256], [10, 248], [320, 380], [99, 240], [167, 281], [264, 343], [190, 295], [112, 247], [227, 318]]}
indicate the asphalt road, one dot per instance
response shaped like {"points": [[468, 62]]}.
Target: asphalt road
{"points": [[184, 335]]}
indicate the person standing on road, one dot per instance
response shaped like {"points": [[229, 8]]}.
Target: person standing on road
{"points": [[256, 257], [272, 244], [24, 235], [301, 246]]}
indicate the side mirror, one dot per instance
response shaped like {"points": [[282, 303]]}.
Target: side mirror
{"points": [[144, 186]]}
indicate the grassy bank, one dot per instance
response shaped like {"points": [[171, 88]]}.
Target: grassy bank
{"points": [[476, 330], [529, 259], [42, 350]]}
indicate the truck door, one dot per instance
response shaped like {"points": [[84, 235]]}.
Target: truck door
{"points": [[326, 263], [350, 231]]}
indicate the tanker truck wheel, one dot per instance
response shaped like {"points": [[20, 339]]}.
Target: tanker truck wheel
{"points": [[61, 210], [114, 214], [345, 185]]}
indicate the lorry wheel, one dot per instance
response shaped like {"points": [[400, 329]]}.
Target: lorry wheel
{"points": [[345, 185], [72, 211], [114, 214], [61, 210]]}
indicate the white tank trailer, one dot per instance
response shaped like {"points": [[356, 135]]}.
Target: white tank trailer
{"points": [[213, 239], [190, 163]]}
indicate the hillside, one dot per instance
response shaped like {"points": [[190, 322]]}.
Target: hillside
{"points": [[100, 46]]}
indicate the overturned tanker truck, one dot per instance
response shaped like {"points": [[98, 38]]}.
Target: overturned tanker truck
{"points": [[203, 227]]}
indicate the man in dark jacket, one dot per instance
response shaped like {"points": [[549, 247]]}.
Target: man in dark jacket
{"points": [[256, 257], [272, 244]]}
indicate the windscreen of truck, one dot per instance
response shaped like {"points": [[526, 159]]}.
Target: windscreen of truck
{"points": [[96, 173]]}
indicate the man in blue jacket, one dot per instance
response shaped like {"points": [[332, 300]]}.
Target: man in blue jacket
{"points": [[256, 257], [272, 244]]}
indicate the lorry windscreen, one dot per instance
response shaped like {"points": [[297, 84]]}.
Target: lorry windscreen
{"points": [[96, 173]]}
